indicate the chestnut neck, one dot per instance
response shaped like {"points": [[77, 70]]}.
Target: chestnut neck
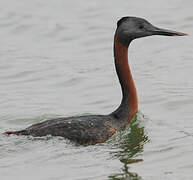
{"points": [[129, 103]]}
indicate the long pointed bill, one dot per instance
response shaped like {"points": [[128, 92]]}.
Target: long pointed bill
{"points": [[166, 32]]}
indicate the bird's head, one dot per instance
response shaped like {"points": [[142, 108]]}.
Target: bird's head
{"points": [[129, 28]]}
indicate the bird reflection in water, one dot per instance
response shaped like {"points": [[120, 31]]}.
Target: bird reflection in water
{"points": [[129, 143]]}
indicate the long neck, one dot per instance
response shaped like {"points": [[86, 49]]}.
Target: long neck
{"points": [[129, 104]]}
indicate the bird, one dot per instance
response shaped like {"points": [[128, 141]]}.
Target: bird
{"points": [[93, 129]]}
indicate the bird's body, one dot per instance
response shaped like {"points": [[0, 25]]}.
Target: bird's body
{"points": [[81, 129], [94, 129]]}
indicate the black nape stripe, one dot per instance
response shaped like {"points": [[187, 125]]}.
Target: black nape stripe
{"points": [[121, 20]]}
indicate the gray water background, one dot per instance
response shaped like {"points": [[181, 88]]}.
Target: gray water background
{"points": [[56, 60]]}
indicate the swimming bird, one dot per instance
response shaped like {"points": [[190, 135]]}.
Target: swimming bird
{"points": [[94, 129]]}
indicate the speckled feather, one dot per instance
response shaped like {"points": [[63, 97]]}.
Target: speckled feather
{"points": [[81, 129]]}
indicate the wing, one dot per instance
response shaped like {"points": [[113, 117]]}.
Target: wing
{"points": [[82, 129]]}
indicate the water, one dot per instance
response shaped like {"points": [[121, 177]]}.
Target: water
{"points": [[56, 60]]}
